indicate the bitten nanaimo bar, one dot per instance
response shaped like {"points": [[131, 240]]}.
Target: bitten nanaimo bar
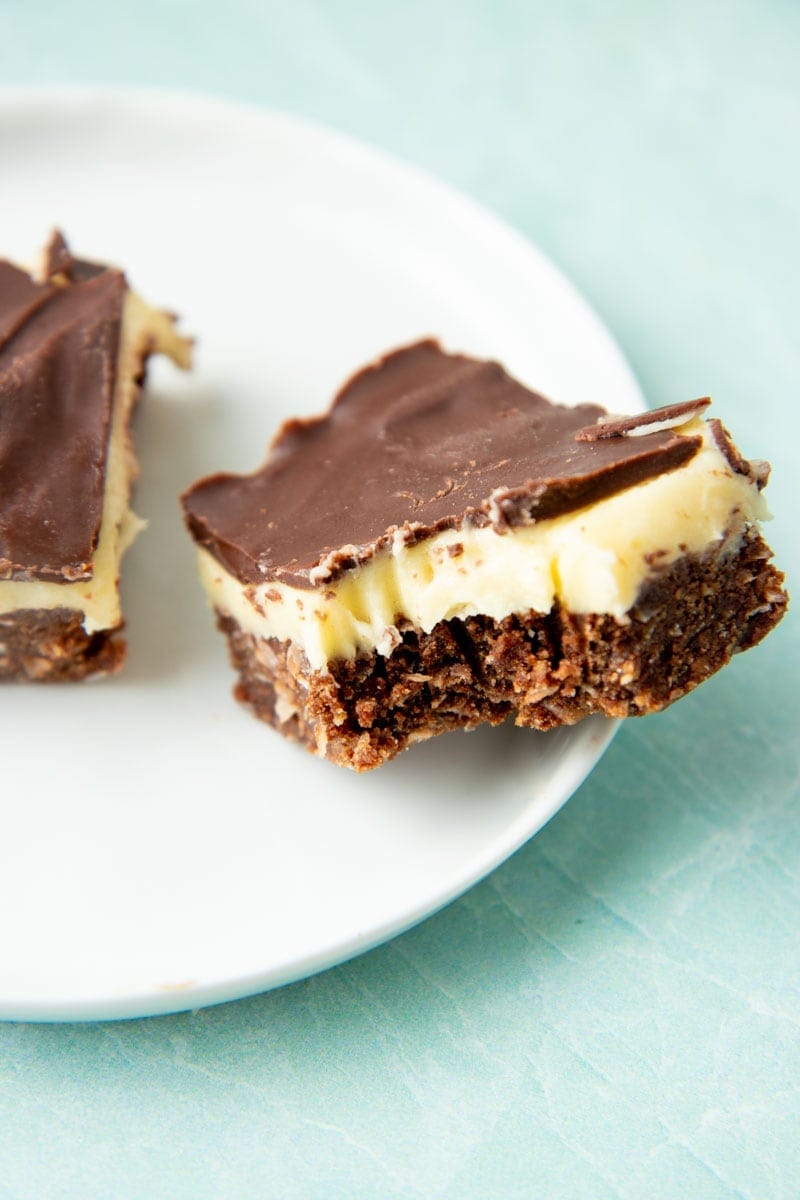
{"points": [[445, 547], [74, 344]]}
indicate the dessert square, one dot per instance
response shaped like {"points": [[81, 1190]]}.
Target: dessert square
{"points": [[74, 345], [445, 547]]}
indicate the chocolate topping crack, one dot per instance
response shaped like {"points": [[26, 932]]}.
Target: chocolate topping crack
{"points": [[654, 421]]}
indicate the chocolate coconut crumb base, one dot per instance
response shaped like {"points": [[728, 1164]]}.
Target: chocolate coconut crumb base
{"points": [[540, 670], [51, 646]]}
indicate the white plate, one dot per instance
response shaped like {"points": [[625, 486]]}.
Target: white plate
{"points": [[162, 849]]}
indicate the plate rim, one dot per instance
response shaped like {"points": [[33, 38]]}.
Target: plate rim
{"points": [[592, 737]]}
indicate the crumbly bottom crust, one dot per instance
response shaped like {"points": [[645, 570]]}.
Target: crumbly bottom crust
{"points": [[51, 646], [544, 670]]}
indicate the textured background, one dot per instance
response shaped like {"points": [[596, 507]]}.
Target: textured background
{"points": [[616, 1011]]}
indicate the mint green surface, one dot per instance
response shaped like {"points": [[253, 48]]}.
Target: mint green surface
{"points": [[615, 1012]]}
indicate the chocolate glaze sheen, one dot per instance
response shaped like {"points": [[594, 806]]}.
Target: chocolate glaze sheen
{"points": [[419, 441], [58, 357]]}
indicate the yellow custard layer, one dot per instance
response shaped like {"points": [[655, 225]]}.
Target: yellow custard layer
{"points": [[593, 560], [144, 331]]}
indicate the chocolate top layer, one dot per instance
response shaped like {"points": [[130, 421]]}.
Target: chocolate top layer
{"points": [[417, 442], [58, 356]]}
